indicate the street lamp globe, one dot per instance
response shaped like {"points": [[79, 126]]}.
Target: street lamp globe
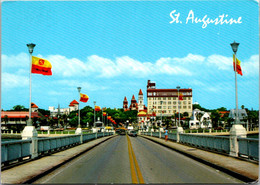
{"points": [[234, 46], [30, 47], [79, 88], [178, 87]]}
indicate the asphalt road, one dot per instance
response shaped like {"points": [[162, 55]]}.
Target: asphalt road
{"points": [[124, 159]]}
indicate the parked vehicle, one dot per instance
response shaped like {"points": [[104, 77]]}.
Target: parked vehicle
{"points": [[132, 133]]}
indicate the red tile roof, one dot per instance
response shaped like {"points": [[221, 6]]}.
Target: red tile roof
{"points": [[73, 102], [140, 92], [18, 114], [33, 105]]}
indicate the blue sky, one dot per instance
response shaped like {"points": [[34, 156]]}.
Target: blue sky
{"points": [[111, 49]]}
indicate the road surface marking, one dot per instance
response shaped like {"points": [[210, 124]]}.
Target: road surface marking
{"points": [[134, 163]]}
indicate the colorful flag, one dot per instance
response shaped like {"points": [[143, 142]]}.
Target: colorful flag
{"points": [[41, 66], [109, 117], [180, 96], [97, 108], [83, 97], [239, 69], [104, 113]]}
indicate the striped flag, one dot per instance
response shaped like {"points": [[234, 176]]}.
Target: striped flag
{"points": [[83, 97], [41, 66]]}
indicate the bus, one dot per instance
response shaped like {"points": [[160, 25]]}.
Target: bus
{"points": [[121, 131]]}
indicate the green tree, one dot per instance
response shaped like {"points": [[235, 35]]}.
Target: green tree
{"points": [[222, 109], [215, 116], [19, 108]]}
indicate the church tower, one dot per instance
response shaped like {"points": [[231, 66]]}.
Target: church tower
{"points": [[133, 105], [140, 101], [125, 104]]}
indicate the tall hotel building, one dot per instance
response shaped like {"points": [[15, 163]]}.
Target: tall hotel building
{"points": [[165, 101]]}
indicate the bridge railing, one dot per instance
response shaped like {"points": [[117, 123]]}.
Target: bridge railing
{"points": [[215, 143], [15, 150], [22, 149], [247, 147]]}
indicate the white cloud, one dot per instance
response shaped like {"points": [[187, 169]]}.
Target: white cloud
{"points": [[99, 67], [251, 67], [13, 80], [21, 60], [222, 62], [84, 85], [67, 67]]}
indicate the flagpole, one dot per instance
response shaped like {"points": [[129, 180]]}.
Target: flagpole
{"points": [[30, 47], [79, 88], [234, 46], [178, 88], [94, 111], [236, 120]]}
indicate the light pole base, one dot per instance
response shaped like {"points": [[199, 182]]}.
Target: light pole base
{"points": [[238, 130], [179, 130], [29, 132], [78, 131]]}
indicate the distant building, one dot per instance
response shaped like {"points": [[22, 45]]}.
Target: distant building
{"points": [[125, 104], [165, 101], [200, 119], [18, 118], [242, 116], [133, 105], [73, 106]]}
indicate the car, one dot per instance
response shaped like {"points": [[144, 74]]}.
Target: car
{"points": [[132, 133]]}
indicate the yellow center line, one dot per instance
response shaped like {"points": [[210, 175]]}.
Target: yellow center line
{"points": [[138, 171], [133, 174]]}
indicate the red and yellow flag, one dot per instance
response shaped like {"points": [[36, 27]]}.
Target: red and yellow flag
{"points": [[41, 66], [83, 97], [238, 66], [104, 113], [97, 108], [180, 96]]}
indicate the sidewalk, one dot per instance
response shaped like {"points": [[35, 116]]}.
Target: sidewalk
{"points": [[24, 173], [242, 169]]}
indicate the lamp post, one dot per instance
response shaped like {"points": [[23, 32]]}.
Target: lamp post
{"points": [[179, 128], [79, 88], [234, 46], [79, 129], [178, 88], [94, 111], [161, 112], [30, 48], [29, 131], [237, 130]]}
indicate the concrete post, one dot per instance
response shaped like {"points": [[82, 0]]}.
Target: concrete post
{"points": [[48, 132], [12, 131], [179, 131], [79, 132], [30, 132], [235, 132]]}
